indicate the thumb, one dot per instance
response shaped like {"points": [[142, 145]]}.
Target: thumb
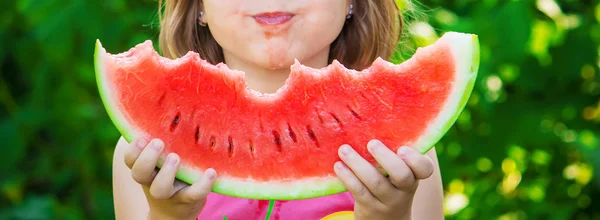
{"points": [[198, 191], [420, 164]]}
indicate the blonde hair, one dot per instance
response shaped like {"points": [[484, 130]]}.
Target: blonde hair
{"points": [[373, 31]]}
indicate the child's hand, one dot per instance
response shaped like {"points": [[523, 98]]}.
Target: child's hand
{"points": [[167, 198], [378, 197]]}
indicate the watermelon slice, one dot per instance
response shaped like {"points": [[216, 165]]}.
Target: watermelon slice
{"points": [[283, 145]]}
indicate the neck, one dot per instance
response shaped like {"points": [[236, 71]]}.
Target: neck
{"points": [[269, 80]]}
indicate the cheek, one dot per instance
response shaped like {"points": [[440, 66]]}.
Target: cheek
{"points": [[320, 27], [326, 17], [226, 21], [323, 26]]}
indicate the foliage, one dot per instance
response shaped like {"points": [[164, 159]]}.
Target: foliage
{"points": [[527, 146]]}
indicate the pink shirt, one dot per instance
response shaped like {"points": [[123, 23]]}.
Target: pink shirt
{"points": [[218, 206]]}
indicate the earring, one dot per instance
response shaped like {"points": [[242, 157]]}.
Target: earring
{"points": [[200, 19], [351, 12]]}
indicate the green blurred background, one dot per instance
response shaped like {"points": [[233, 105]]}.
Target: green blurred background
{"points": [[526, 147]]}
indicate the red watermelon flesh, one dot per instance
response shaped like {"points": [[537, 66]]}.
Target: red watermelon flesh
{"points": [[283, 146]]}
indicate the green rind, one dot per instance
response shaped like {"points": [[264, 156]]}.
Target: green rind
{"points": [[265, 191], [428, 143], [305, 191]]}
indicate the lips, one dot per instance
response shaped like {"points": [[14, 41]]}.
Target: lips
{"points": [[273, 18]]}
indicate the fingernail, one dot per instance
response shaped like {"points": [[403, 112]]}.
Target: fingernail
{"points": [[171, 160], [142, 142], [210, 173], [339, 166], [345, 149], [157, 145], [404, 151], [374, 145]]}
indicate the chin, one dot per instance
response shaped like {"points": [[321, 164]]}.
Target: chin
{"points": [[276, 62], [284, 64]]}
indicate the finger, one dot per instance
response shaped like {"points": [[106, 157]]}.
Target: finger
{"points": [[399, 173], [358, 190], [366, 172], [198, 191], [162, 185], [133, 151], [146, 162], [421, 165]]}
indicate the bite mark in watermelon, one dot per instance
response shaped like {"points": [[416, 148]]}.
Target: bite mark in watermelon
{"points": [[283, 146]]}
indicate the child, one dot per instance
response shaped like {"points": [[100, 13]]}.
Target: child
{"points": [[262, 38]]}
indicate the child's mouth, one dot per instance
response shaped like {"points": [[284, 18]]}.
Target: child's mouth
{"points": [[273, 18]]}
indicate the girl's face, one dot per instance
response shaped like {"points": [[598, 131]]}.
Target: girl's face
{"points": [[272, 33]]}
